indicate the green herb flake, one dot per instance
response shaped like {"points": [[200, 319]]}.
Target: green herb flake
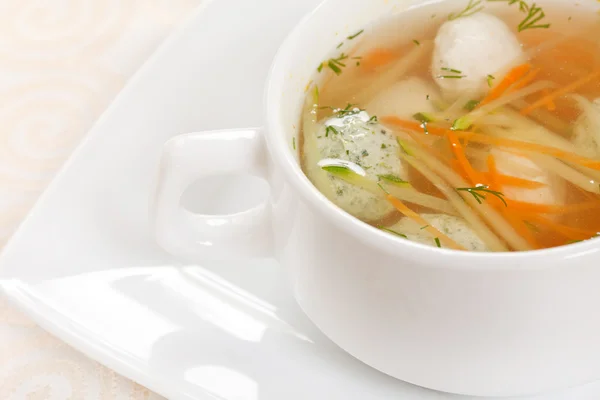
{"points": [[415, 41], [456, 71], [330, 129], [490, 80], [480, 193], [471, 105], [392, 232], [424, 227], [337, 70], [438, 243], [383, 146], [340, 45], [473, 7], [357, 34], [334, 64], [373, 120], [451, 76], [294, 143], [364, 153]]}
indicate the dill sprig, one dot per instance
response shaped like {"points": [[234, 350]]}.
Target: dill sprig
{"points": [[350, 109], [438, 243], [534, 15], [473, 7], [480, 193]]}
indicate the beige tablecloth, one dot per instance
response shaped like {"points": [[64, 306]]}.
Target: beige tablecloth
{"points": [[62, 62]]}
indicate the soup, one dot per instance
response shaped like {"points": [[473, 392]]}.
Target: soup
{"points": [[469, 126]]}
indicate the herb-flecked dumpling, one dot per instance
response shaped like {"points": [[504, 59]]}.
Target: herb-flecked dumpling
{"points": [[352, 135]]}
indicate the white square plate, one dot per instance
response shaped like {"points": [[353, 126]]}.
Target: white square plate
{"points": [[84, 266]]}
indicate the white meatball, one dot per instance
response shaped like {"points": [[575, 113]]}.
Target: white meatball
{"points": [[586, 134], [405, 98], [454, 227], [369, 145], [477, 46], [514, 165]]}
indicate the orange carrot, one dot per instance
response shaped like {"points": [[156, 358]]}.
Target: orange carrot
{"points": [[561, 92], [377, 58], [494, 141], [474, 176], [512, 77], [400, 206], [507, 180], [527, 79]]}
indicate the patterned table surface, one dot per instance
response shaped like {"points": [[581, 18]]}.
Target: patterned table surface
{"points": [[62, 62]]}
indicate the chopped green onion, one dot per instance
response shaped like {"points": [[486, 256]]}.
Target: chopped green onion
{"points": [[424, 117], [461, 124], [471, 105], [394, 180]]}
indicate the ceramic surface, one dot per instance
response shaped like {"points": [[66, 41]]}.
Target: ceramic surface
{"points": [[86, 268]]}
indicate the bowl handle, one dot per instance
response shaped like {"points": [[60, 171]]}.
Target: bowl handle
{"points": [[189, 157]]}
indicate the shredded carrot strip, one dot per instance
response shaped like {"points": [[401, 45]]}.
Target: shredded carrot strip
{"points": [[473, 175], [494, 141], [567, 231], [561, 92], [527, 79], [513, 181], [378, 58], [512, 77], [400, 206]]}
